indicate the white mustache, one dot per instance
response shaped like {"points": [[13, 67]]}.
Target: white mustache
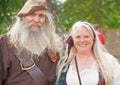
{"points": [[36, 24]]}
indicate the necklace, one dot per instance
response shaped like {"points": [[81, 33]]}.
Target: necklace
{"points": [[78, 71]]}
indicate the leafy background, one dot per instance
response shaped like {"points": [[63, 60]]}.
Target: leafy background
{"points": [[104, 12]]}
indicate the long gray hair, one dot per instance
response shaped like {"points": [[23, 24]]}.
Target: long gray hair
{"points": [[98, 51], [35, 42]]}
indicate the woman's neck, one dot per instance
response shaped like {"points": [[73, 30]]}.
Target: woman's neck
{"points": [[84, 61], [84, 54]]}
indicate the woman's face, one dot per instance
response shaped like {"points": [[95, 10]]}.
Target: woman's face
{"points": [[83, 40]]}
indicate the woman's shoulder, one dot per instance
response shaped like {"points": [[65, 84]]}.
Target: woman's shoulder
{"points": [[115, 68], [110, 57], [111, 60]]}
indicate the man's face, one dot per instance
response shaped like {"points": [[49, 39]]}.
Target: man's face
{"points": [[35, 20]]}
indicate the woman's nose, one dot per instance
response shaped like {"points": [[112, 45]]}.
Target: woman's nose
{"points": [[82, 39]]}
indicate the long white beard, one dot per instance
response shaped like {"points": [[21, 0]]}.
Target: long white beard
{"points": [[33, 41]]}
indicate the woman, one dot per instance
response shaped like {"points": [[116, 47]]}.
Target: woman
{"points": [[85, 62]]}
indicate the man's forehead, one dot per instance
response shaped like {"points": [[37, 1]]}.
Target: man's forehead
{"points": [[40, 11], [37, 12]]}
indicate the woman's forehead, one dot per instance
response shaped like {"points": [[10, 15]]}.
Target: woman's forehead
{"points": [[81, 30]]}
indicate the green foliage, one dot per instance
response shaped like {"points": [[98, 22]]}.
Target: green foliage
{"points": [[104, 12], [8, 10]]}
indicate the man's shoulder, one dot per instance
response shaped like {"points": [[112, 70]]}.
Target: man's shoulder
{"points": [[3, 38]]}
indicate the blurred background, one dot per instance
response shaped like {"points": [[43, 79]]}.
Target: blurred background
{"points": [[66, 12]]}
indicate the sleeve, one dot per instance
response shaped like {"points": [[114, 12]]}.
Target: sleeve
{"points": [[116, 72], [0, 63], [115, 68], [0, 78], [116, 76], [0, 75], [3, 60]]}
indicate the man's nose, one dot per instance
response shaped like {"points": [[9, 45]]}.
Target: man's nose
{"points": [[36, 18]]}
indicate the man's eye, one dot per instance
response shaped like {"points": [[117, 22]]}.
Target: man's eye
{"points": [[41, 15]]}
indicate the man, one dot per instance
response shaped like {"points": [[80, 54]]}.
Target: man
{"points": [[28, 52]]}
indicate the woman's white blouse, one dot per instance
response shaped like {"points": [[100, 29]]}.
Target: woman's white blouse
{"points": [[88, 76], [91, 76]]}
